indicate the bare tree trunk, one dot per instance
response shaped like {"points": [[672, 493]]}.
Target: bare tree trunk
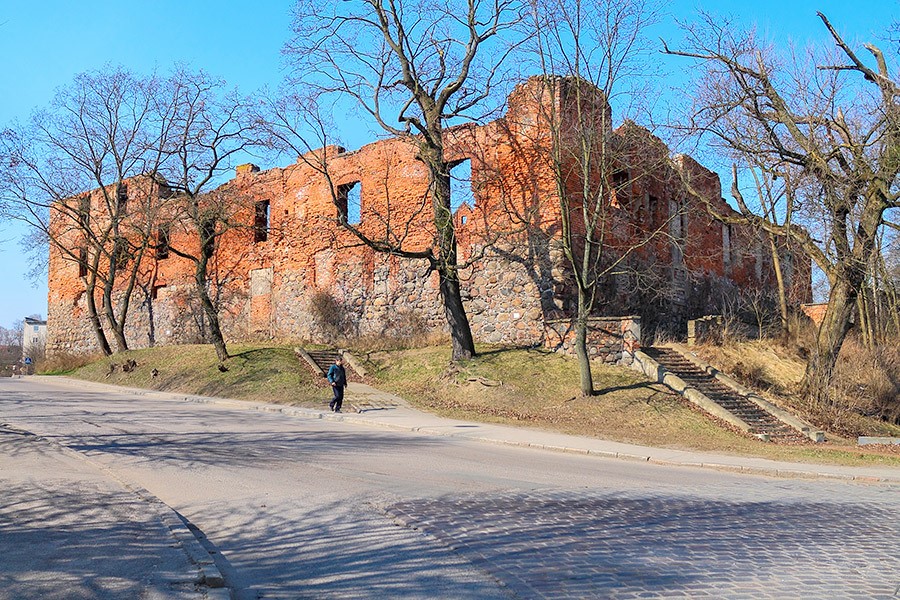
{"points": [[460, 332], [209, 310], [864, 326], [830, 338], [893, 307], [782, 294], [870, 306], [581, 351], [463, 344], [894, 303], [125, 299], [151, 331], [94, 317], [90, 288], [118, 333]]}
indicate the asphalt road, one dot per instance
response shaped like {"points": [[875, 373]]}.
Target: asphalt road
{"points": [[295, 507]]}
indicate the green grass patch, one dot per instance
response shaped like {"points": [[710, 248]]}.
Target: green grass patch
{"points": [[256, 373]]}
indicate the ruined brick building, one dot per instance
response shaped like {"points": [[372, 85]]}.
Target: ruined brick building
{"points": [[294, 273]]}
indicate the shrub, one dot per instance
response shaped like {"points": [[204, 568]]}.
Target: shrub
{"points": [[752, 374], [801, 334], [867, 380], [402, 330], [329, 315]]}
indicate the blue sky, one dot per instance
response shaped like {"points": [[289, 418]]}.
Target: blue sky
{"points": [[45, 43]]}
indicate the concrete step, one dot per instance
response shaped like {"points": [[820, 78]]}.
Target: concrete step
{"points": [[759, 420], [325, 358]]}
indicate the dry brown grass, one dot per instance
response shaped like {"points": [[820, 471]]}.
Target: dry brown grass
{"points": [[64, 364], [540, 390], [867, 380], [864, 383]]}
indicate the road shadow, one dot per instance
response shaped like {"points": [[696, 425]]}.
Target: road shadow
{"points": [[339, 549], [68, 533], [224, 448], [203, 437]]}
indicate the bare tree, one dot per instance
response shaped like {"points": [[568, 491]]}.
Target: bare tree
{"points": [[591, 53], [209, 129], [878, 310], [833, 129], [11, 336], [775, 199], [67, 175], [425, 64]]}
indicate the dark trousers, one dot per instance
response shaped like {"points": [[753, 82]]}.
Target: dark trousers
{"points": [[338, 399]]}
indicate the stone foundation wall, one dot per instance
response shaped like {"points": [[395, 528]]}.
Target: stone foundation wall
{"points": [[705, 329], [609, 339]]}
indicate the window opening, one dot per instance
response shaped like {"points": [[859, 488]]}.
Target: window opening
{"points": [[122, 198], [652, 207], [261, 221], [162, 242], [620, 189], [727, 233], [82, 262], [208, 237], [349, 197], [461, 184]]}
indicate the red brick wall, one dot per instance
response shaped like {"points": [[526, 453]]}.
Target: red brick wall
{"points": [[517, 281]]}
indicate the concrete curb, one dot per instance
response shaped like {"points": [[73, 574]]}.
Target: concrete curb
{"points": [[794, 471], [209, 574]]}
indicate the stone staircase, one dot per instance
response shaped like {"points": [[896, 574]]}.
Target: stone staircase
{"points": [[762, 423], [360, 397], [323, 358]]}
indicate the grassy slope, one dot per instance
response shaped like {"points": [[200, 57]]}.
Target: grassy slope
{"points": [[537, 389], [256, 373]]}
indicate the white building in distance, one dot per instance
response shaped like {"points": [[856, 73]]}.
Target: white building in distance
{"points": [[34, 338]]}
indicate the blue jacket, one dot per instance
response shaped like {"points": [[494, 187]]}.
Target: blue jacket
{"points": [[337, 375]]}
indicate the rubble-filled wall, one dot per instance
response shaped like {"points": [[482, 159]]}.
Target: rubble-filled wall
{"points": [[309, 278]]}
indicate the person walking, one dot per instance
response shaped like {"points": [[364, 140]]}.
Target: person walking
{"points": [[337, 377]]}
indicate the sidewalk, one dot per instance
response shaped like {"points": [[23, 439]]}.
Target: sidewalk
{"points": [[69, 531], [403, 417], [382, 409]]}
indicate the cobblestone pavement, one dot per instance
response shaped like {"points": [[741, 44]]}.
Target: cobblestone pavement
{"points": [[558, 544]]}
